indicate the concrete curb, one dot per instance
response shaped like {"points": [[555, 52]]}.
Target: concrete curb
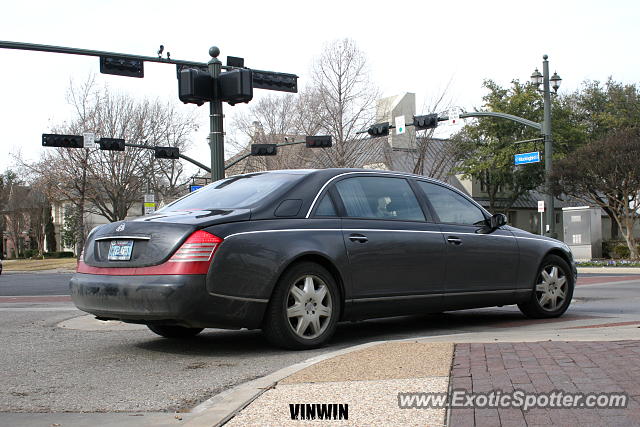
{"points": [[221, 408]]}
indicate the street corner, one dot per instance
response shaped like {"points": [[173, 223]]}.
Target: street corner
{"points": [[362, 387]]}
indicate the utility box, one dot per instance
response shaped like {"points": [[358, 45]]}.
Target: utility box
{"points": [[583, 231]]}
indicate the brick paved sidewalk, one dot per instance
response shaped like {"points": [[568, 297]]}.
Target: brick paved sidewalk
{"points": [[579, 366]]}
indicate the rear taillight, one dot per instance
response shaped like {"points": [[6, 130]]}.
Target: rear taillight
{"points": [[193, 257], [200, 246]]}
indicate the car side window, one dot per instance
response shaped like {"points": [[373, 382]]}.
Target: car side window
{"points": [[325, 207], [379, 198], [450, 206]]}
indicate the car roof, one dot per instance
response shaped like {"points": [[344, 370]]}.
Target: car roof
{"points": [[330, 173]]}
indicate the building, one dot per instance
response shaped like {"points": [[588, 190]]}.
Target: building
{"points": [[433, 157]]}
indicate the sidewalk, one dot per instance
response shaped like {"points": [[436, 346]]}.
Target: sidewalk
{"points": [[583, 357]]}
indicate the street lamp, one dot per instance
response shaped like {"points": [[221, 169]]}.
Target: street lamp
{"points": [[543, 79], [556, 80]]}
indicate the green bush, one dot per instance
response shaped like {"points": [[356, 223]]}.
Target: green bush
{"points": [[615, 249], [30, 253], [620, 251], [607, 248]]}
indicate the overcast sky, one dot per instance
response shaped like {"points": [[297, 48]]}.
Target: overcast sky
{"points": [[412, 46]]}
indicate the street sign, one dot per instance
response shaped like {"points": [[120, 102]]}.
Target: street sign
{"points": [[454, 116], [89, 140], [193, 188], [149, 204], [524, 158], [400, 129], [540, 205]]}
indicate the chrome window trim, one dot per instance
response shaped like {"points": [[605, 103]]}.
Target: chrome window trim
{"points": [[315, 199], [290, 230]]}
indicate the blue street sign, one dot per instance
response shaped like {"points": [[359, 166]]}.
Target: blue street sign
{"points": [[193, 188], [524, 158]]}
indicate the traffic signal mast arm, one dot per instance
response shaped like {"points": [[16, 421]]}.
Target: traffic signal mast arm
{"points": [[382, 129], [182, 156], [318, 142]]}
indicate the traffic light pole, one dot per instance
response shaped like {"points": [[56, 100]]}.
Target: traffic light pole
{"points": [[216, 125], [548, 150], [261, 80]]}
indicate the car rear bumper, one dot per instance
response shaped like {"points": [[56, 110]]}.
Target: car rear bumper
{"points": [[162, 299]]}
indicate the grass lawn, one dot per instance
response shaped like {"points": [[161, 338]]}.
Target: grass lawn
{"points": [[38, 264]]}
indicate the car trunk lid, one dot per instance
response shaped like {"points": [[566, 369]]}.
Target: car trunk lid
{"points": [[151, 240]]}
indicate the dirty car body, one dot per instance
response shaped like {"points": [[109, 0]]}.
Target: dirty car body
{"points": [[304, 249]]}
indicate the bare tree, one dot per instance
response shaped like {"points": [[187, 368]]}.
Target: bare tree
{"points": [[278, 119], [339, 102], [430, 156], [108, 183], [346, 99]]}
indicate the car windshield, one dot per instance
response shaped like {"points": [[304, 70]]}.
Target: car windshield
{"points": [[236, 192]]}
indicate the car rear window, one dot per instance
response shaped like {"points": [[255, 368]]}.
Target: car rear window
{"points": [[241, 191]]}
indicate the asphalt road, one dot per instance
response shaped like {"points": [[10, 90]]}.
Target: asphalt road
{"points": [[49, 368], [30, 284]]}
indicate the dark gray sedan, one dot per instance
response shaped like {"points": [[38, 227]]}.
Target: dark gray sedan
{"points": [[294, 252]]}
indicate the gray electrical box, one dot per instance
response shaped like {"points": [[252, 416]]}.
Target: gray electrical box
{"points": [[583, 231]]}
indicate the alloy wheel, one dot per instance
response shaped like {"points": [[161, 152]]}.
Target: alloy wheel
{"points": [[309, 307], [551, 289]]}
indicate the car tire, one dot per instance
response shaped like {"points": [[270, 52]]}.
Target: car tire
{"points": [[171, 331], [552, 290], [305, 317]]}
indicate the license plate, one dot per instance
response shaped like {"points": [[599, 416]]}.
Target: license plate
{"points": [[120, 250]]}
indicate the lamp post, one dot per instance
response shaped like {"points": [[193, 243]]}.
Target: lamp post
{"points": [[537, 79]]}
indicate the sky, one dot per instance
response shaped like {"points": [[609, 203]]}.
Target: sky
{"points": [[411, 46]]}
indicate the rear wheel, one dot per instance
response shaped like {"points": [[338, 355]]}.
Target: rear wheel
{"points": [[168, 331], [553, 290], [304, 308]]}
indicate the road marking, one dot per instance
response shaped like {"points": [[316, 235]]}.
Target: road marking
{"points": [[605, 325], [529, 322]]}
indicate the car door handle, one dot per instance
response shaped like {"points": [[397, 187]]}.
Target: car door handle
{"points": [[358, 238], [454, 240]]}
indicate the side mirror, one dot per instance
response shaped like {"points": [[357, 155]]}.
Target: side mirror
{"points": [[498, 220]]}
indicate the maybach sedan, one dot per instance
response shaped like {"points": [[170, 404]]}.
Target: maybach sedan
{"points": [[295, 252]]}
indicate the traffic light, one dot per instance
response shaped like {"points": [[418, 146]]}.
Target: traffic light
{"points": [[319, 141], [264, 149], [234, 61], [167, 152], [379, 129], [282, 82], [235, 86], [111, 144], [66, 141], [430, 121], [122, 66], [195, 86]]}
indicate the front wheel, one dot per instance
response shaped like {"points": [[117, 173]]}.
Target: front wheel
{"points": [[304, 308], [169, 331], [553, 290]]}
